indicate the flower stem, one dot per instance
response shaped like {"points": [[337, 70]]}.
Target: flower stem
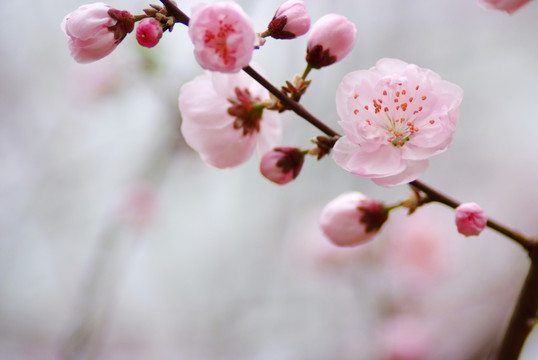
{"points": [[176, 12], [306, 71]]}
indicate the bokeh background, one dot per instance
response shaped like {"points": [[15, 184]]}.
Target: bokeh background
{"points": [[118, 242]]}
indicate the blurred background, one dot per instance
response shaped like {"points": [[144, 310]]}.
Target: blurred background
{"points": [[118, 242]]}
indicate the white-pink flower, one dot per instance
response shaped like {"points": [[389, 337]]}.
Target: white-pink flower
{"points": [[506, 5], [352, 219], [394, 116], [332, 37], [470, 219], [94, 30], [223, 118], [223, 36], [290, 20]]}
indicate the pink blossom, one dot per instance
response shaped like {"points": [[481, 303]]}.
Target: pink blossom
{"points": [[470, 219], [223, 118], [148, 32], [507, 5], [404, 337], [223, 36], [94, 31], [282, 164], [332, 37], [290, 20], [352, 219], [394, 116]]}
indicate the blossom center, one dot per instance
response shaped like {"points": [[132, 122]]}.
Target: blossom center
{"points": [[218, 39], [395, 109], [246, 110]]}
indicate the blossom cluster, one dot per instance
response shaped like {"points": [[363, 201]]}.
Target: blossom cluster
{"points": [[394, 116]]}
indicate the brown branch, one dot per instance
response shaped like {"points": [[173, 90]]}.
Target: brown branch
{"points": [[524, 316]]}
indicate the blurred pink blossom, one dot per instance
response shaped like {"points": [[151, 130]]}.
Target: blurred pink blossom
{"points": [[404, 337], [352, 219], [290, 20], [138, 206], [332, 37], [223, 36], [282, 164], [94, 31], [394, 116], [148, 32], [421, 249], [223, 118], [470, 219], [507, 5]]}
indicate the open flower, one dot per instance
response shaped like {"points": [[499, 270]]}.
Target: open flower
{"points": [[223, 36], [470, 219], [394, 116], [94, 31], [352, 219], [290, 20], [223, 118], [332, 37], [507, 5]]}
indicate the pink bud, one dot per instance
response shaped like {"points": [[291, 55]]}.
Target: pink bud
{"points": [[94, 31], [332, 37], [352, 219], [282, 164], [290, 20], [470, 219], [507, 5], [223, 36], [149, 32]]}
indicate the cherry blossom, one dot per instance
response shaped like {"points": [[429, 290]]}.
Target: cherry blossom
{"points": [[290, 20], [223, 36], [148, 32], [223, 118], [394, 116], [282, 164], [507, 5], [94, 31], [352, 219], [470, 219], [332, 37]]}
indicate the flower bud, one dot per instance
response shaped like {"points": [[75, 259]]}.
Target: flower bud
{"points": [[506, 5], [282, 164], [352, 219], [148, 32], [290, 20], [223, 36], [94, 31], [470, 219], [332, 37]]}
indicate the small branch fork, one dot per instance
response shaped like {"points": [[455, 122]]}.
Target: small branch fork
{"points": [[524, 315]]}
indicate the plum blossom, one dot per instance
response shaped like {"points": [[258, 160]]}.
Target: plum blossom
{"points": [[506, 5], [148, 32], [94, 31], [223, 36], [394, 116], [352, 219], [282, 164], [332, 37], [470, 219], [290, 20], [224, 119]]}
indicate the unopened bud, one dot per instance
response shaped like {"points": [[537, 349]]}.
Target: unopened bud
{"points": [[470, 219], [352, 219], [290, 20], [148, 32], [282, 164]]}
